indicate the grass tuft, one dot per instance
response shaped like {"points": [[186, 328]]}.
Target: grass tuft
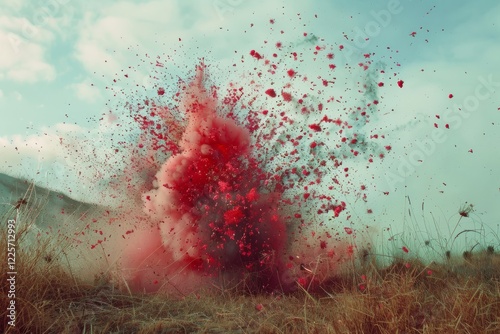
{"points": [[460, 295]]}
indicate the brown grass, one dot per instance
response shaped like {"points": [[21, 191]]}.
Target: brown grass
{"points": [[459, 296]]}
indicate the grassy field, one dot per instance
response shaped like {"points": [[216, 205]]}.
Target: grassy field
{"points": [[460, 294]]}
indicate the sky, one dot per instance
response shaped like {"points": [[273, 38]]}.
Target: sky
{"points": [[58, 60]]}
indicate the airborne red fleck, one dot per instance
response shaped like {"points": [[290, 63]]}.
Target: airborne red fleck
{"points": [[271, 92], [286, 96], [315, 127], [400, 83]]}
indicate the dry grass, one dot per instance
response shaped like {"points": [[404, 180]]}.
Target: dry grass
{"points": [[460, 296]]}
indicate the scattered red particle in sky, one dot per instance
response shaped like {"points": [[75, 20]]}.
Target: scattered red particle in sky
{"points": [[315, 127], [450, 96], [400, 83], [348, 230], [291, 73], [436, 125], [255, 54], [447, 126], [161, 91], [341, 47], [271, 92], [405, 249], [380, 84], [286, 96], [413, 34]]}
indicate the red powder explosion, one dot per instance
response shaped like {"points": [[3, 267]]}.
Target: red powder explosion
{"points": [[213, 212], [248, 183]]}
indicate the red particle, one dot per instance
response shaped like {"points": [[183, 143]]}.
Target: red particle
{"points": [[320, 107], [315, 127], [405, 249], [265, 112], [322, 244], [302, 281], [233, 216], [341, 47], [447, 126], [259, 307], [388, 147], [306, 195], [471, 151], [271, 21], [286, 96], [279, 45], [369, 211], [380, 84], [252, 195], [255, 54], [400, 83], [435, 125], [161, 91], [413, 34], [313, 144], [348, 230], [330, 56], [450, 96], [291, 73], [298, 215], [271, 92]]}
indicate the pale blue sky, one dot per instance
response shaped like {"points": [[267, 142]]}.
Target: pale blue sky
{"points": [[56, 61]]}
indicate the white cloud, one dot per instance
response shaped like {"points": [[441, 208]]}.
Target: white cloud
{"points": [[85, 91], [18, 96], [111, 36], [22, 60]]}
